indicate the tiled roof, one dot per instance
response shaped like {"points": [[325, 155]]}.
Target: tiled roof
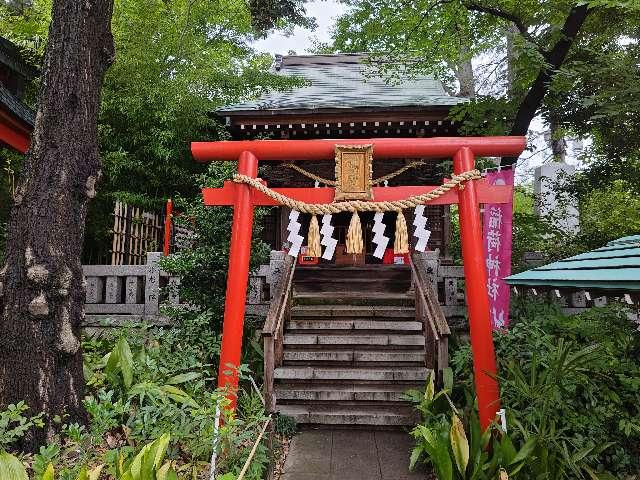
{"points": [[616, 266], [345, 81], [16, 107]]}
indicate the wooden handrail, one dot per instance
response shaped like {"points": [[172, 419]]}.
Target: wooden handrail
{"points": [[273, 330], [429, 313]]}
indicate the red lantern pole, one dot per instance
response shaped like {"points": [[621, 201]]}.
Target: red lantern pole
{"points": [[167, 228], [475, 273], [237, 279]]}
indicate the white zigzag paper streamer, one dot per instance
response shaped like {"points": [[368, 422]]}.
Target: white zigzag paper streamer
{"points": [[327, 232], [294, 233], [421, 232], [379, 238]]}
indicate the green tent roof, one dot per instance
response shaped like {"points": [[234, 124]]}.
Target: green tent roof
{"points": [[616, 266], [345, 81]]}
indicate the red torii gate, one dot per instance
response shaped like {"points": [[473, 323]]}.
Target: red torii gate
{"points": [[243, 198]]}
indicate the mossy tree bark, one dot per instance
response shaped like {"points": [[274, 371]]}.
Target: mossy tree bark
{"points": [[41, 284]]}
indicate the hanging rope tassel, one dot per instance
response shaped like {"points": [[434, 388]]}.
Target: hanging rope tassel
{"points": [[313, 238], [401, 243], [354, 235]]}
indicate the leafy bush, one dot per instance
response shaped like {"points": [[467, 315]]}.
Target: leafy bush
{"points": [[141, 390], [574, 382], [451, 441], [286, 425]]}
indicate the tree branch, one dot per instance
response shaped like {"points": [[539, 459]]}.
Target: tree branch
{"points": [[554, 60], [496, 12]]}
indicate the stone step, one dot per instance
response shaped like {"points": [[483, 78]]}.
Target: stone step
{"points": [[346, 311], [324, 325], [332, 392], [355, 415], [353, 298], [351, 339], [370, 374], [353, 356]]}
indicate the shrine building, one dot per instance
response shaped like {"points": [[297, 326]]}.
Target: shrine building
{"points": [[345, 97]]}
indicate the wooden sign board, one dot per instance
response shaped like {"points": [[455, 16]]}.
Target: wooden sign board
{"points": [[353, 172]]}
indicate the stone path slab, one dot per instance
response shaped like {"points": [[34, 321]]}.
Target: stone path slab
{"points": [[350, 455]]}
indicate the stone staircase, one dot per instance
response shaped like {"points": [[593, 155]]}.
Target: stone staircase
{"points": [[351, 347]]}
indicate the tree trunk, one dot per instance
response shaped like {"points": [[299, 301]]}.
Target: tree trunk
{"points": [[465, 75], [512, 57], [557, 140], [41, 284]]}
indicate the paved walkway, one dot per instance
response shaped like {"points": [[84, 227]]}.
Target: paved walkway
{"points": [[350, 455]]}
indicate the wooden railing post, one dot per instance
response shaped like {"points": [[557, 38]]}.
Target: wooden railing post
{"points": [[273, 330], [429, 312]]}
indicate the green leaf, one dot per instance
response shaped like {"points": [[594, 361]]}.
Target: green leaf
{"points": [[447, 378], [94, 474], [429, 391], [49, 473], [82, 475], [126, 361], [161, 447], [183, 377], [178, 395], [227, 476], [11, 468], [459, 444], [415, 455], [526, 450]]}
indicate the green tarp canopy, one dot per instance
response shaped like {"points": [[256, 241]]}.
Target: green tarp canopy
{"points": [[616, 266]]}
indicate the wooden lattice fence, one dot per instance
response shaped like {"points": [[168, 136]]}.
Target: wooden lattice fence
{"points": [[135, 232]]}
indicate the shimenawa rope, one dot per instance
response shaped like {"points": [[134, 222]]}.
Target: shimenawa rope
{"points": [[354, 241]]}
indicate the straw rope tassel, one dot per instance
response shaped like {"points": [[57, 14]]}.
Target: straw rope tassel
{"points": [[354, 235], [401, 243], [313, 238]]}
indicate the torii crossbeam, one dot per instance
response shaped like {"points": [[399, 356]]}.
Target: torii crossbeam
{"points": [[243, 198]]}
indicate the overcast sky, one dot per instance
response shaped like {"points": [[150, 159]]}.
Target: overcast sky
{"points": [[301, 41]]}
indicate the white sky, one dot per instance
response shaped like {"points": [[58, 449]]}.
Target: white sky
{"points": [[325, 11], [301, 40]]}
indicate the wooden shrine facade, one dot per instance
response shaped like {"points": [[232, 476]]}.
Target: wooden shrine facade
{"points": [[345, 98]]}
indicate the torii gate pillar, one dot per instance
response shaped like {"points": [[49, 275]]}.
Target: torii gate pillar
{"points": [[237, 279], [475, 274]]}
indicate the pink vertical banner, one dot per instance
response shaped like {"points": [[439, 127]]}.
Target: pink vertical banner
{"points": [[497, 224]]}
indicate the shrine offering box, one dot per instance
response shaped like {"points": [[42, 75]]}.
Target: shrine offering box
{"points": [[344, 258]]}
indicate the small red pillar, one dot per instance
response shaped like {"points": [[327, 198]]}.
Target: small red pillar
{"points": [[475, 273], [237, 279], [168, 217]]}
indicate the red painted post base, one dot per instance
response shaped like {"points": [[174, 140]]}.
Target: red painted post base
{"points": [[475, 274], [237, 280]]}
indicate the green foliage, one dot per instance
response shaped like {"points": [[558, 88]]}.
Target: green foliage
{"points": [[451, 441], [286, 425], [142, 388], [14, 425], [176, 63], [203, 266], [571, 382]]}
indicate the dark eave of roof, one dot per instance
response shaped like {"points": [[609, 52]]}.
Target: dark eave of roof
{"points": [[416, 109], [11, 57], [16, 107]]}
